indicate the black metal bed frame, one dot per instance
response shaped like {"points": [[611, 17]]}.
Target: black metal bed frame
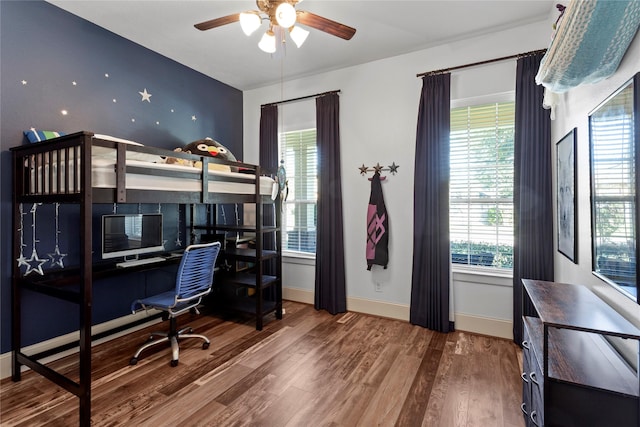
{"points": [[74, 152]]}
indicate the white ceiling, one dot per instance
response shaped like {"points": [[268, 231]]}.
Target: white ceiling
{"points": [[385, 28]]}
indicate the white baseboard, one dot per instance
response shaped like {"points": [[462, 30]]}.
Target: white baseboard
{"points": [[298, 295], [5, 359], [464, 322], [359, 305], [378, 308], [484, 325]]}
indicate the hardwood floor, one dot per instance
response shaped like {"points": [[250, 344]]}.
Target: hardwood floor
{"points": [[308, 369]]}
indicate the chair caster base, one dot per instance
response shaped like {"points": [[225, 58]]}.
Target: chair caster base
{"points": [[205, 345], [174, 363], [133, 361]]}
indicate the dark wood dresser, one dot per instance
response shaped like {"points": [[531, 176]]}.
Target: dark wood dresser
{"points": [[572, 375]]}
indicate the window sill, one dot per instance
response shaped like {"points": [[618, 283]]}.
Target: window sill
{"points": [[482, 271], [298, 258]]}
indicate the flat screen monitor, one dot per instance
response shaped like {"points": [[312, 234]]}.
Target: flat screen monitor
{"points": [[131, 234]]}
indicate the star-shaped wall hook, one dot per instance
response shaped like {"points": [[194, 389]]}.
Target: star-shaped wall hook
{"points": [[393, 168], [363, 169], [377, 168]]}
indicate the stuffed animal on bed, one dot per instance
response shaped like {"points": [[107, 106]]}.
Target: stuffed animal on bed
{"points": [[212, 148], [177, 160]]}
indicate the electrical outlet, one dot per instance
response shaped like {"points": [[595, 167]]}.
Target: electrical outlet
{"points": [[378, 287]]}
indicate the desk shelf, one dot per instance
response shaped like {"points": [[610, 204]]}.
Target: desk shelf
{"points": [[251, 263]]}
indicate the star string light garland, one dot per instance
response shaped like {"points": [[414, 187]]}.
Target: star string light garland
{"points": [[56, 257], [21, 259], [35, 262], [164, 241], [178, 241]]}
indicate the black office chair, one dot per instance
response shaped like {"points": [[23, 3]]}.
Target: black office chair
{"points": [[194, 281]]}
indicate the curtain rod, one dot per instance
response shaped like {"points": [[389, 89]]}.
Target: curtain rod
{"points": [[489, 61], [300, 98]]}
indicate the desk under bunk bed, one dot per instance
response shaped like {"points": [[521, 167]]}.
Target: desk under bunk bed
{"points": [[82, 170]]}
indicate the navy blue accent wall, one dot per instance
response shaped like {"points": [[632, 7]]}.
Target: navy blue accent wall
{"points": [[50, 61]]}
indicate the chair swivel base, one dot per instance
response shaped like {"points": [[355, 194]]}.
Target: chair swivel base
{"points": [[172, 338]]}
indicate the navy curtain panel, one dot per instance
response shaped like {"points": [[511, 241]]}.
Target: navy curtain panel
{"points": [[269, 160], [533, 191], [330, 289], [431, 260], [269, 136]]}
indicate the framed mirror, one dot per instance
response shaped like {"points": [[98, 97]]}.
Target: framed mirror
{"points": [[614, 139]]}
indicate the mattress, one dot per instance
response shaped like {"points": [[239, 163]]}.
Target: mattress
{"points": [[103, 175]]}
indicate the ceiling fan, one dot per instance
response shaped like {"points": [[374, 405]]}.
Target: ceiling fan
{"points": [[281, 15]]}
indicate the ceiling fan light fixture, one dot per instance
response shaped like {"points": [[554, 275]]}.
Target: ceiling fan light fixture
{"points": [[285, 15], [249, 21], [268, 42], [298, 35]]}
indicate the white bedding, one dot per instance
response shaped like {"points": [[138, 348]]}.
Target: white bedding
{"points": [[103, 176]]}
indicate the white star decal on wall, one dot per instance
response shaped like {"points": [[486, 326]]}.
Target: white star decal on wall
{"points": [[146, 96], [24, 82], [193, 118]]}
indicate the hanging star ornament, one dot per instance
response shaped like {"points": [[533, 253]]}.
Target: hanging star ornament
{"points": [[35, 264], [393, 168], [146, 96], [56, 257], [22, 260]]}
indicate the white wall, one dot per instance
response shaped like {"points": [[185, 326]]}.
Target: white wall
{"points": [[378, 118], [573, 111]]}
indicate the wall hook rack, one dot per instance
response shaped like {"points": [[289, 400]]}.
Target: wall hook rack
{"points": [[393, 168]]}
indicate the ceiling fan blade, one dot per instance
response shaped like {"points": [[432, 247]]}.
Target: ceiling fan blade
{"points": [[218, 22], [324, 24]]}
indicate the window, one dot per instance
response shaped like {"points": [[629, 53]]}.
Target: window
{"points": [[299, 218], [481, 186]]}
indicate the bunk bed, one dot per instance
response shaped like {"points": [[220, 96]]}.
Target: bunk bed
{"points": [[85, 169]]}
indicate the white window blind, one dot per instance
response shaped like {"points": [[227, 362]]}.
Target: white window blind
{"points": [[300, 214], [481, 186]]}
